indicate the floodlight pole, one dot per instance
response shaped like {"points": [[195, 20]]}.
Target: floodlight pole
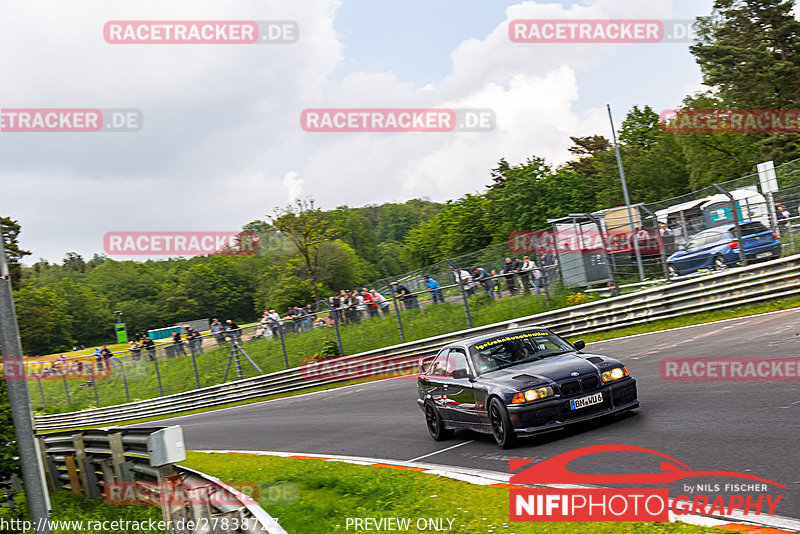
{"points": [[20, 401], [627, 198]]}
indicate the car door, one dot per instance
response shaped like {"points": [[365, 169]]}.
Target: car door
{"points": [[692, 259], [460, 392], [432, 384]]}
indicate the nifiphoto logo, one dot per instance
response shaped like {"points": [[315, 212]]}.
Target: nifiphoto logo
{"points": [[33, 120], [201, 31]]}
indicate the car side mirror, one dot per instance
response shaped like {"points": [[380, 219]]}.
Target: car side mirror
{"points": [[460, 373], [579, 345]]}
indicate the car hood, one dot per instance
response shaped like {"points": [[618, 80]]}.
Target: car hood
{"points": [[551, 369]]}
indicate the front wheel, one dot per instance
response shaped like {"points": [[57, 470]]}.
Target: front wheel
{"points": [[435, 425], [719, 263], [502, 430]]}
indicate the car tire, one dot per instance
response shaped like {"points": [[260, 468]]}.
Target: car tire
{"points": [[673, 271], [502, 429], [720, 263], [435, 424]]}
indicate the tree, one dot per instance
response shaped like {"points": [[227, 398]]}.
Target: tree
{"points": [[307, 227], [44, 323], [10, 230]]}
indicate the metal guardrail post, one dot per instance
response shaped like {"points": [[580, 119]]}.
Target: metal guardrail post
{"points": [[124, 379], [72, 472], [117, 453], [393, 288], [66, 388], [335, 314], [80, 454], [283, 344], [455, 267], [154, 355], [94, 388], [41, 392], [194, 365]]}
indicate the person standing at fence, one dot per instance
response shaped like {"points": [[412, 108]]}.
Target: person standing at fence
{"points": [[234, 331], [274, 321], [466, 281], [480, 276], [382, 302], [525, 270], [150, 346], [369, 303], [309, 317], [135, 350], [217, 331], [434, 289], [176, 339], [510, 271]]}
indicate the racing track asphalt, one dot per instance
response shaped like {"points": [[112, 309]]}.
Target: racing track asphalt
{"points": [[751, 427]]}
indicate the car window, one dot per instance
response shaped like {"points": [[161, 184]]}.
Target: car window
{"points": [[517, 347], [456, 360], [712, 237], [751, 228], [439, 365], [697, 241]]}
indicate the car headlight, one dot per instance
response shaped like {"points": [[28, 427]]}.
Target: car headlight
{"points": [[614, 374], [532, 394]]}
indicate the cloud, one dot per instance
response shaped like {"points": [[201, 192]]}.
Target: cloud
{"points": [[293, 184]]}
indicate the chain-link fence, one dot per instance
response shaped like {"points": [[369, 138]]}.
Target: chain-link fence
{"points": [[581, 257]]}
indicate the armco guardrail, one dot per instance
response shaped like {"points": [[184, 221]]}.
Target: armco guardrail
{"points": [[743, 285], [134, 466]]}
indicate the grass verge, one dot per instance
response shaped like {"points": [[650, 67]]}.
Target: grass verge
{"points": [[310, 496]]}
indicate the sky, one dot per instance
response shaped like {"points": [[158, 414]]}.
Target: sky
{"points": [[221, 141]]}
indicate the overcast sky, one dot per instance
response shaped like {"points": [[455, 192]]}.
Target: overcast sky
{"points": [[221, 142]]}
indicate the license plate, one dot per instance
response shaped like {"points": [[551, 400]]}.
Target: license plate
{"points": [[583, 402], [764, 255]]}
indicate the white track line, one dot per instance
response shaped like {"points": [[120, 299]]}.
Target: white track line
{"points": [[437, 452]]}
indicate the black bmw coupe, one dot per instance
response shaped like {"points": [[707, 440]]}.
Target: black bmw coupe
{"points": [[519, 383]]}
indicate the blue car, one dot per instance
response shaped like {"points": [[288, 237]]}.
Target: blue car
{"points": [[718, 248]]}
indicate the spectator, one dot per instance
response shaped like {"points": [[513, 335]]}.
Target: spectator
{"points": [[217, 331], [98, 358], [409, 300], [106, 354], [351, 310], [297, 318], [525, 271], [372, 307], [433, 288], [176, 339], [783, 215], [480, 276], [150, 346], [195, 341], [234, 330], [495, 283], [310, 317], [381, 301], [466, 281], [274, 321], [135, 350], [510, 271]]}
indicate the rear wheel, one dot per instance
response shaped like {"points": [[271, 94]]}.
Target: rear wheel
{"points": [[435, 425], [502, 430], [719, 263]]}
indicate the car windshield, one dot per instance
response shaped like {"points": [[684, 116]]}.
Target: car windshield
{"points": [[750, 228], [513, 349]]}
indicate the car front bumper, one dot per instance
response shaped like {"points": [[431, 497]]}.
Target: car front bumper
{"points": [[548, 416]]}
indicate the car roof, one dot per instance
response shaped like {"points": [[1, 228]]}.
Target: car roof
{"points": [[493, 335]]}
